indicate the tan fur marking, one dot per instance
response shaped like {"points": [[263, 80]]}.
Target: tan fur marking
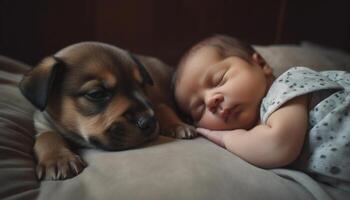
{"points": [[97, 125]]}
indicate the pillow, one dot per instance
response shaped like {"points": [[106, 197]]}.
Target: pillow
{"points": [[172, 169], [282, 57], [17, 178]]}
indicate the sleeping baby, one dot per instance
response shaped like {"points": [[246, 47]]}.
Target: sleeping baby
{"points": [[300, 118]]}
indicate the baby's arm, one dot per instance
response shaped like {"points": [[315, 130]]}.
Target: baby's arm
{"points": [[275, 144]]}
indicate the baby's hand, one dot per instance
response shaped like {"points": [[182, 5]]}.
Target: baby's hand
{"points": [[219, 137], [214, 136]]}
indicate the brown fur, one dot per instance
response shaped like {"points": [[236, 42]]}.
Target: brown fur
{"points": [[64, 88]]}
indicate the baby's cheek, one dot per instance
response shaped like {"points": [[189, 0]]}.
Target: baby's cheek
{"points": [[248, 119]]}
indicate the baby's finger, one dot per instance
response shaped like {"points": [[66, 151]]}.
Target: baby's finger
{"points": [[203, 130], [213, 136]]}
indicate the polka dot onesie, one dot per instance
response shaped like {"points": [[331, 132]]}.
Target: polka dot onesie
{"points": [[326, 152]]}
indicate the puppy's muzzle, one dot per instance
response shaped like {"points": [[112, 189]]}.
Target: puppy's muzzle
{"points": [[142, 115]]}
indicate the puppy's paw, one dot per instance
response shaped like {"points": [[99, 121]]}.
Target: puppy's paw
{"points": [[181, 131], [59, 165]]}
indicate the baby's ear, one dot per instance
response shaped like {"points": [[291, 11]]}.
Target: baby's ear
{"points": [[257, 59], [260, 61]]}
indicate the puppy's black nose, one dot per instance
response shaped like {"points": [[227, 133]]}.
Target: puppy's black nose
{"points": [[147, 124]]}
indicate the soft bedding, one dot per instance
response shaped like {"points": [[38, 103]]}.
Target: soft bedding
{"points": [[164, 169]]}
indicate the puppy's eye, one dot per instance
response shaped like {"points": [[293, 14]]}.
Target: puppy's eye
{"points": [[98, 95]]}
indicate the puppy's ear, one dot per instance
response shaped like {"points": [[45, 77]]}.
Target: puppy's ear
{"points": [[37, 83], [141, 72]]}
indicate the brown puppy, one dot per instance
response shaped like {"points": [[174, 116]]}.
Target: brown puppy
{"points": [[97, 95]]}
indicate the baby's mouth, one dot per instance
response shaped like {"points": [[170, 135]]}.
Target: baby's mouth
{"points": [[227, 113]]}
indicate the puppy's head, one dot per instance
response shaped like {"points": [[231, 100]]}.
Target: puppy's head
{"points": [[95, 94]]}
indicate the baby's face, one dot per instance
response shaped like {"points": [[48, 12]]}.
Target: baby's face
{"points": [[221, 94]]}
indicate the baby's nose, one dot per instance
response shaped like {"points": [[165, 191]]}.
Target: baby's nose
{"points": [[214, 103]]}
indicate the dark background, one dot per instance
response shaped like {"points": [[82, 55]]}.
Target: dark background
{"points": [[32, 29]]}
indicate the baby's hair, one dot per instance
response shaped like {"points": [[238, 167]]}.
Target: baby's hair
{"points": [[226, 46]]}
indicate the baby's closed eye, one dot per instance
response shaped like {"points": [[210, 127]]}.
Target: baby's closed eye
{"points": [[218, 78]]}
